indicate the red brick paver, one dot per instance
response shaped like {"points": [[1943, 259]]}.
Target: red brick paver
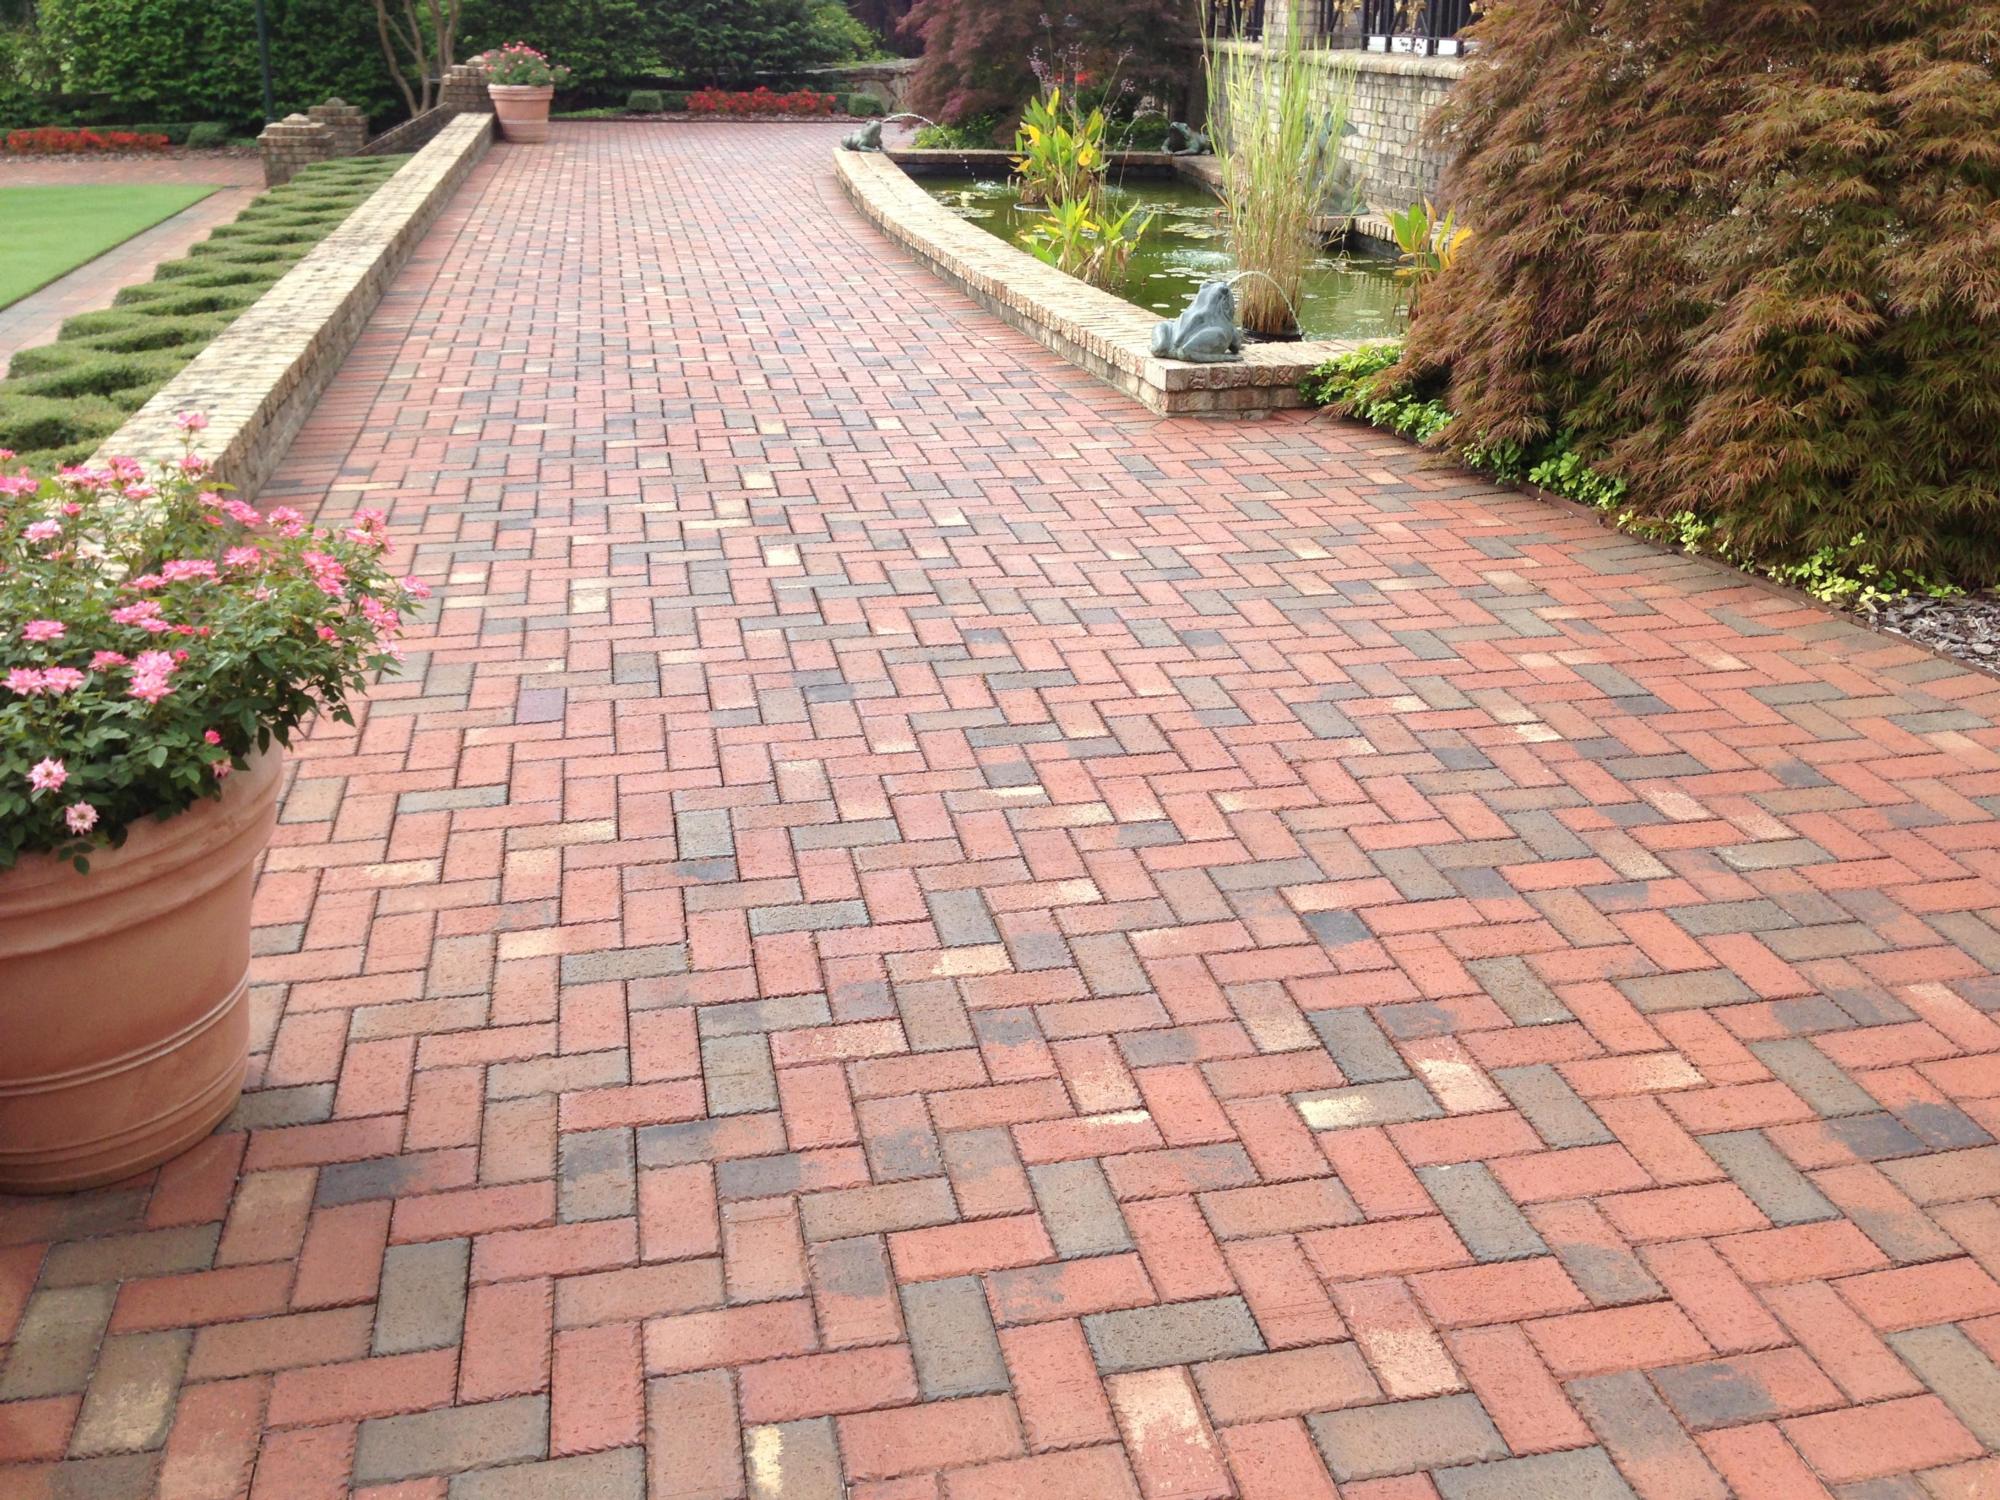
{"points": [[912, 927]]}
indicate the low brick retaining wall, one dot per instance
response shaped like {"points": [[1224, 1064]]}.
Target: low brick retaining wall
{"points": [[1090, 327], [261, 377]]}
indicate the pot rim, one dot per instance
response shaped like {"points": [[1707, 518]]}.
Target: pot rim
{"points": [[154, 849]]}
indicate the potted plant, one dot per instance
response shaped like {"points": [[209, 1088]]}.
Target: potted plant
{"points": [[159, 643], [522, 82]]}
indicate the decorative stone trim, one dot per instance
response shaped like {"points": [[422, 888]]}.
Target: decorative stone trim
{"points": [[291, 143], [348, 124], [263, 373], [1086, 325]]}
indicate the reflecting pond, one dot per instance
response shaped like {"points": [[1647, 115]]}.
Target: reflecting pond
{"points": [[1346, 296]]}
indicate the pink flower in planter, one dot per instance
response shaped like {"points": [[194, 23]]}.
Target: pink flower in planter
{"points": [[181, 569], [43, 630], [194, 463], [328, 633], [26, 681], [61, 680], [149, 676], [43, 531], [286, 521], [191, 421], [241, 514], [48, 775], [243, 557], [221, 769], [212, 736], [145, 614], [416, 588], [19, 484], [104, 660], [80, 817]]}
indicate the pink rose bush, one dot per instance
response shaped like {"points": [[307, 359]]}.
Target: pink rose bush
{"points": [[155, 633]]}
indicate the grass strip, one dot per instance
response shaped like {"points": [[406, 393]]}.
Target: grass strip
{"points": [[60, 400]]}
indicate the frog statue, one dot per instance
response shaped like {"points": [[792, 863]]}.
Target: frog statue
{"points": [[1206, 334], [1184, 140], [867, 138]]}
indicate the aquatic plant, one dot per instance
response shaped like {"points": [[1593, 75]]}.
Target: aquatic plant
{"points": [[1278, 116]]}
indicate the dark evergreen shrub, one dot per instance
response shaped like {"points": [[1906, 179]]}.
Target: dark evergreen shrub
{"points": [[978, 53]]}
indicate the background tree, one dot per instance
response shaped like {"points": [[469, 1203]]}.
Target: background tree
{"points": [[885, 18], [419, 41], [978, 54], [1747, 254]]}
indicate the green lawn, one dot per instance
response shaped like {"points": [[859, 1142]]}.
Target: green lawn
{"points": [[50, 231]]}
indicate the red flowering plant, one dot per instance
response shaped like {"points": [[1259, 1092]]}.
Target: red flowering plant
{"points": [[761, 101], [154, 634], [517, 65], [54, 140]]}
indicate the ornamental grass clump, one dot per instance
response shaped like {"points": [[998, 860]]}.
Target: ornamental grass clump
{"points": [[155, 634], [1744, 255], [1278, 115]]}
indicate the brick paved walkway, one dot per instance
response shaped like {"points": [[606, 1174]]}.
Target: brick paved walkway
{"points": [[914, 925], [38, 317]]}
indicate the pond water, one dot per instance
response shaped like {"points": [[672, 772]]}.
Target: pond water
{"points": [[1346, 296]]}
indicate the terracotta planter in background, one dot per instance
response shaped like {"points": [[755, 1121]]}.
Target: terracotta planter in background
{"points": [[523, 111], [123, 1028]]}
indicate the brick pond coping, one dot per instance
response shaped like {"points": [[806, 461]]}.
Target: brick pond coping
{"points": [[261, 376], [1092, 328]]}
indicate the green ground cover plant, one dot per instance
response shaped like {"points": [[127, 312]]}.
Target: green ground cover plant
{"points": [[59, 401], [53, 230], [1370, 385]]}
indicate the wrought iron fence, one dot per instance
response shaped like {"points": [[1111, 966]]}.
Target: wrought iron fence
{"points": [[1421, 26], [1237, 18]]}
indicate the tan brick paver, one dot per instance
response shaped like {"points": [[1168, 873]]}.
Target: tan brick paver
{"points": [[913, 926]]}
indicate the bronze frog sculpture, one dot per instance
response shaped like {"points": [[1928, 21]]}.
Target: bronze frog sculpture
{"points": [[1206, 333], [867, 138]]}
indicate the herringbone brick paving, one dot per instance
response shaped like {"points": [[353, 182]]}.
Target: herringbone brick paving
{"points": [[915, 932]]}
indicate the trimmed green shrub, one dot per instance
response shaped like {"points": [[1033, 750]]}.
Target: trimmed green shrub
{"points": [[645, 102], [866, 106], [197, 59], [207, 135], [1744, 261], [98, 374], [48, 430], [61, 400]]}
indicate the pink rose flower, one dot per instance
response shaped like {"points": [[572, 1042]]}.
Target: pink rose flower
{"points": [[26, 681], [191, 421], [48, 775], [61, 680], [80, 817], [43, 630], [43, 531]]}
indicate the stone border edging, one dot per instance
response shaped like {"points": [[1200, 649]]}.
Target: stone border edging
{"points": [[1090, 327], [260, 378]]}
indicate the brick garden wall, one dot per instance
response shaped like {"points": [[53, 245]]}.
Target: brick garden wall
{"points": [[1393, 96]]}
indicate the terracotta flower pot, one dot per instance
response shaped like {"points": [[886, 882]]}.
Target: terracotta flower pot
{"points": [[523, 111], [122, 993]]}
